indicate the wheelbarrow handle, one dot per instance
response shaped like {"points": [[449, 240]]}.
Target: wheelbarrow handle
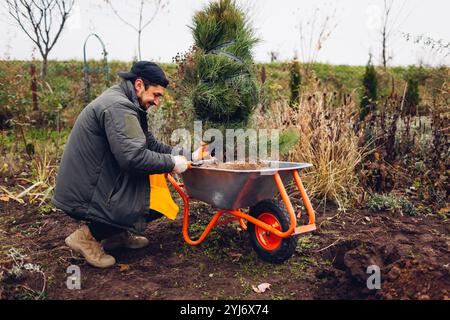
{"points": [[191, 165], [196, 164]]}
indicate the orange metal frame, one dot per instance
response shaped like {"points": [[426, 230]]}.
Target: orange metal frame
{"points": [[241, 216]]}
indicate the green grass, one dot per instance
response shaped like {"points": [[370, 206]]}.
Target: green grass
{"points": [[347, 76], [66, 87]]}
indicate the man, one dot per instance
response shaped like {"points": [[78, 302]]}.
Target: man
{"points": [[104, 174]]}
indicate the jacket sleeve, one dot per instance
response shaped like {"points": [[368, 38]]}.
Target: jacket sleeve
{"points": [[156, 146], [159, 147], [128, 143]]}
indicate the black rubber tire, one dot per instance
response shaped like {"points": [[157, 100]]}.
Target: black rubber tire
{"points": [[287, 246]]}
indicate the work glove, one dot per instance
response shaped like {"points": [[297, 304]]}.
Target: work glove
{"points": [[202, 153], [181, 164]]}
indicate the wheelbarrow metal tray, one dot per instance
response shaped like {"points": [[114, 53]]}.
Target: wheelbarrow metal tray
{"points": [[234, 189]]}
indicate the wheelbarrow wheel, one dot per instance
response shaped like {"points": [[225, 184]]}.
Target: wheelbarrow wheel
{"points": [[268, 246]]}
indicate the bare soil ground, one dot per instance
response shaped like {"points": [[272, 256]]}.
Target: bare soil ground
{"points": [[331, 263]]}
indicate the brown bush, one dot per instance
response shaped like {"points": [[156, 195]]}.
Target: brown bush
{"points": [[327, 140]]}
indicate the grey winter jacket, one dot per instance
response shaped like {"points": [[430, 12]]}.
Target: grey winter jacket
{"points": [[104, 169]]}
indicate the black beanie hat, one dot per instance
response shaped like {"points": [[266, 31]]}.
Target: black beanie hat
{"points": [[146, 70]]}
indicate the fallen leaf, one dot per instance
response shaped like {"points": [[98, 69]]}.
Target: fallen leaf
{"points": [[262, 288], [235, 255], [124, 267], [4, 198], [377, 156]]}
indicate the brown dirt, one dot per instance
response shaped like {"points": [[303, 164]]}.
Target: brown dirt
{"points": [[331, 263], [238, 165]]}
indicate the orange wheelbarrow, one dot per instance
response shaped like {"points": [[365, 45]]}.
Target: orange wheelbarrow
{"points": [[272, 227]]}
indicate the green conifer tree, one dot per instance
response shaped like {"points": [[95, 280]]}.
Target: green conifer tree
{"points": [[295, 83], [370, 93], [412, 96], [224, 89]]}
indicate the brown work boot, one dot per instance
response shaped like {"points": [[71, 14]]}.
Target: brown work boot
{"points": [[125, 240], [83, 242]]}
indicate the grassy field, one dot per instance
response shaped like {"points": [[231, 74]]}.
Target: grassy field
{"points": [[65, 88]]}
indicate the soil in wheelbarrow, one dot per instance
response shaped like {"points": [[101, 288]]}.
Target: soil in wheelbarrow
{"points": [[331, 263], [238, 165]]}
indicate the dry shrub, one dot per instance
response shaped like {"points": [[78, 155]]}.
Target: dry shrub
{"points": [[27, 174], [327, 140]]}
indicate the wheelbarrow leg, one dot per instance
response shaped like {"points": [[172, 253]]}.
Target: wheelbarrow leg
{"points": [[287, 203], [311, 226], [185, 198]]}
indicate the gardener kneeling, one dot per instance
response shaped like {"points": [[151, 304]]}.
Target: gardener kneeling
{"points": [[104, 174]]}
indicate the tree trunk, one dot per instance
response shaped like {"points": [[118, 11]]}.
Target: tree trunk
{"points": [[44, 67], [34, 88], [139, 45], [384, 51]]}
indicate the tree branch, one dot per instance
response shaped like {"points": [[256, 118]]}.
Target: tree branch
{"points": [[158, 6], [36, 18], [120, 17]]}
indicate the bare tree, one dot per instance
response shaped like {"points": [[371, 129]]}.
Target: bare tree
{"points": [[314, 32], [439, 47], [42, 21], [142, 22], [390, 24]]}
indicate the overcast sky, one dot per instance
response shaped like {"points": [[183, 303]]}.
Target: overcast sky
{"points": [[354, 26]]}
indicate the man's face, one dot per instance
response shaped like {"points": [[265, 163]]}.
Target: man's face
{"points": [[150, 97]]}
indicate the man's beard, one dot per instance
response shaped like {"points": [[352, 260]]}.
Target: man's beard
{"points": [[144, 107]]}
